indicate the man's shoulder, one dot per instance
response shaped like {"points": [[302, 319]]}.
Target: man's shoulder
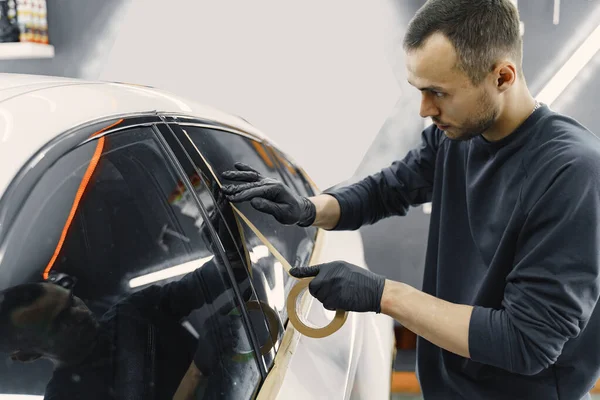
{"points": [[561, 142], [562, 150]]}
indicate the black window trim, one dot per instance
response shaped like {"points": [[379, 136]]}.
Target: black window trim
{"points": [[182, 119], [218, 128], [176, 163]]}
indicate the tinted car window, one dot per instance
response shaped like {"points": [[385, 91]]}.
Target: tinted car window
{"points": [[222, 150], [294, 175], [105, 223]]}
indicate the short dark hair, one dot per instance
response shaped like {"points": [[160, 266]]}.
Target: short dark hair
{"points": [[12, 299], [481, 31]]}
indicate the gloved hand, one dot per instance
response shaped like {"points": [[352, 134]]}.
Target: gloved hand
{"points": [[269, 195], [216, 343], [343, 286]]}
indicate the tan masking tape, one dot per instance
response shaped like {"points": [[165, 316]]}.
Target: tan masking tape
{"points": [[334, 325], [340, 316]]}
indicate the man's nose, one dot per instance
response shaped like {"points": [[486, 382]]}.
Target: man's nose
{"points": [[428, 108]]}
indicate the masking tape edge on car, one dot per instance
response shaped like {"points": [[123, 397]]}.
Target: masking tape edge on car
{"points": [[340, 316]]}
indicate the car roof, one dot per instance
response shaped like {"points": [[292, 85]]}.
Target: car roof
{"points": [[35, 109]]}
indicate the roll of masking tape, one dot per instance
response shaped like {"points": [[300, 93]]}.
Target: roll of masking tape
{"points": [[313, 332], [291, 304]]}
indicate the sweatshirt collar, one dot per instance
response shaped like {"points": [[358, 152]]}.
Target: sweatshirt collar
{"points": [[517, 134]]}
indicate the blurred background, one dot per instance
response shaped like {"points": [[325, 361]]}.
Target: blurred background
{"points": [[325, 80]]}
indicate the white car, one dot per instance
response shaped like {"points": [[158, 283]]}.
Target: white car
{"points": [[109, 183]]}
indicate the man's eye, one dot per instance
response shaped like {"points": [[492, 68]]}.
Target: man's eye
{"points": [[438, 94]]}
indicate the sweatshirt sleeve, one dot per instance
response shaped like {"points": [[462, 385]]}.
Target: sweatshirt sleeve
{"points": [[554, 285], [391, 191]]}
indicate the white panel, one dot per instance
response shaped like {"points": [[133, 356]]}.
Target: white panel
{"points": [[335, 365], [14, 51]]}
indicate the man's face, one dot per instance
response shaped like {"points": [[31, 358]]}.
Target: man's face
{"points": [[455, 105], [57, 326]]}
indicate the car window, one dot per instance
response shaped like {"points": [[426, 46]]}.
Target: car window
{"points": [[222, 150], [295, 176], [149, 285]]}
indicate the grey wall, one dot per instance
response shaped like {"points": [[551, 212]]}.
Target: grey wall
{"points": [[395, 247], [82, 32]]}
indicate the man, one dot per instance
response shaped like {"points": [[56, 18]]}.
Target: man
{"points": [[511, 280], [136, 350]]}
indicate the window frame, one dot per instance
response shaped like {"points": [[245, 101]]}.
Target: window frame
{"points": [[185, 158]]}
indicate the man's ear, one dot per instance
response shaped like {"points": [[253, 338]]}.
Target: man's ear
{"points": [[25, 356]]}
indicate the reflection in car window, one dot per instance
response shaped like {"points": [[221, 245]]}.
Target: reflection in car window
{"points": [[222, 150], [137, 296]]}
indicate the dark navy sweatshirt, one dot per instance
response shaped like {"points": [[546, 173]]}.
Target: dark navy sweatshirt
{"points": [[514, 232]]}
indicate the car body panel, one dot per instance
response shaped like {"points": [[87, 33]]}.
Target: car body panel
{"points": [[354, 362], [351, 358]]}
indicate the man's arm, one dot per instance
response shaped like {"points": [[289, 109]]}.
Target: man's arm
{"points": [[327, 211], [555, 282], [440, 322], [393, 190], [389, 192]]}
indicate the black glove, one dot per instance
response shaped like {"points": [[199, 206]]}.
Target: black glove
{"points": [[342, 286], [270, 196], [216, 342]]}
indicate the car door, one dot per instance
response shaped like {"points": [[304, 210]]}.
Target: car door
{"points": [[329, 363], [99, 206]]}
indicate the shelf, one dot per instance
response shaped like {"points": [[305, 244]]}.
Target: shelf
{"points": [[24, 50]]}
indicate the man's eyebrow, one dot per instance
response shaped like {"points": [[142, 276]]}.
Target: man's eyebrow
{"points": [[432, 87]]}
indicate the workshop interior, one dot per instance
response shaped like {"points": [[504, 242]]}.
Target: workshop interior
{"points": [[141, 105]]}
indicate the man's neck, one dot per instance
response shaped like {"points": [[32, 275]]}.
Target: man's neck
{"points": [[515, 111]]}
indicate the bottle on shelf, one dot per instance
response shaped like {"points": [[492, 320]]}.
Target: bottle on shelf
{"points": [[9, 30], [32, 21]]}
